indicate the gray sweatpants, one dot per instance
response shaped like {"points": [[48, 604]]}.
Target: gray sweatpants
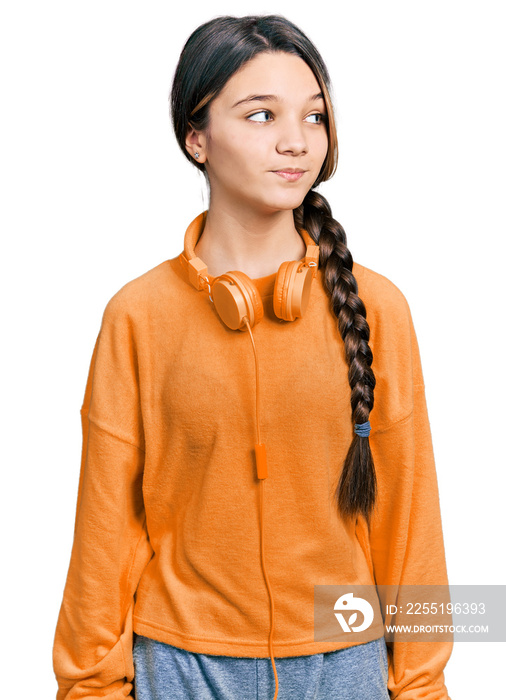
{"points": [[165, 672]]}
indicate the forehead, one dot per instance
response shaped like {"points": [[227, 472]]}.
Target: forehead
{"points": [[285, 75]]}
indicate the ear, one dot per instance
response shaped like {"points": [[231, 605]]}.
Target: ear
{"points": [[196, 143]]}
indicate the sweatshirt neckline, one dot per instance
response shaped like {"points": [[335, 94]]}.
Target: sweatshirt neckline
{"points": [[265, 285]]}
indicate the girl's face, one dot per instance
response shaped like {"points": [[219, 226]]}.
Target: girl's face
{"points": [[266, 140]]}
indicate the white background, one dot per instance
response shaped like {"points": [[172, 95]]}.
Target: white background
{"points": [[95, 192]]}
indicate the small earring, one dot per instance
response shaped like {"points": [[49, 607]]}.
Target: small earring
{"points": [[196, 154]]}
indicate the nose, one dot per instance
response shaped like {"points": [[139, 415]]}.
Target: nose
{"points": [[291, 139]]}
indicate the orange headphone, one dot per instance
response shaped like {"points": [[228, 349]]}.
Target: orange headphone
{"points": [[239, 305], [235, 296]]}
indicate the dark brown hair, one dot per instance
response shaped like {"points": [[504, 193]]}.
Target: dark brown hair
{"points": [[211, 56]]}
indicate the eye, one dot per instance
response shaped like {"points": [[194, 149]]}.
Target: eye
{"points": [[317, 118], [262, 116]]}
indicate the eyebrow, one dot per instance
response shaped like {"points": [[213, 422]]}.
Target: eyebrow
{"points": [[271, 98]]}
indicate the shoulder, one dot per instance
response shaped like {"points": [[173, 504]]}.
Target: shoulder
{"points": [[387, 309], [388, 312], [380, 295], [140, 297]]}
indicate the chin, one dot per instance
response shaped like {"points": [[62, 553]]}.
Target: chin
{"points": [[293, 204], [288, 202]]}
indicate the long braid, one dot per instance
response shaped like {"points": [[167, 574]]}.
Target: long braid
{"points": [[357, 488]]}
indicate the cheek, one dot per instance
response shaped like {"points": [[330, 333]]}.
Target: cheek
{"points": [[230, 151], [240, 158], [321, 145]]}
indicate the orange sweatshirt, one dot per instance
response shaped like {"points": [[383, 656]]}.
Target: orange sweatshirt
{"points": [[167, 527]]}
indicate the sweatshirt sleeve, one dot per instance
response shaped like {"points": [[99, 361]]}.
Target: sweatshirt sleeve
{"points": [[92, 650], [406, 537]]}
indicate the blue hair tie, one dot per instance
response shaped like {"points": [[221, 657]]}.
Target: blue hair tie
{"points": [[363, 429]]}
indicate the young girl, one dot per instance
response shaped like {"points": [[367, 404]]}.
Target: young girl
{"points": [[225, 474]]}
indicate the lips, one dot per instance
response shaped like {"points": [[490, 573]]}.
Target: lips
{"points": [[290, 174]]}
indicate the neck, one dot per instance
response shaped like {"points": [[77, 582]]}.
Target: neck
{"points": [[255, 243]]}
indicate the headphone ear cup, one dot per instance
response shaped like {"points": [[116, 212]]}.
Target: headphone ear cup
{"points": [[292, 290], [236, 296]]}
